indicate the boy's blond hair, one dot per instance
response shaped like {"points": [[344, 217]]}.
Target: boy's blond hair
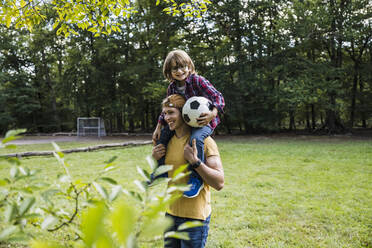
{"points": [[181, 59]]}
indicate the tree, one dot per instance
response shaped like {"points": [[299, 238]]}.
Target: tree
{"points": [[100, 17]]}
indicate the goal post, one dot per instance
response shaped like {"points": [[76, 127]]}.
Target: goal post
{"points": [[90, 126]]}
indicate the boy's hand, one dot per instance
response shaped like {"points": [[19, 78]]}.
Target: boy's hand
{"points": [[191, 153], [158, 151], [205, 118], [156, 134]]}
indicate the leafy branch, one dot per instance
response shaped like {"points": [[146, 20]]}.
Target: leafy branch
{"points": [[98, 17]]}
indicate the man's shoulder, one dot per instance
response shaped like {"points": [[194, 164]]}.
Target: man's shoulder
{"points": [[209, 140], [211, 147]]}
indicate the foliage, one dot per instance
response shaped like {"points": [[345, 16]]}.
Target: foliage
{"points": [[279, 65], [99, 17], [16, 199], [27, 199]]}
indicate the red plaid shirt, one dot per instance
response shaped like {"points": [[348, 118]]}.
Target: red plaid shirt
{"points": [[198, 86]]}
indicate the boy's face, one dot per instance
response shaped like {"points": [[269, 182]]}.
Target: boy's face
{"points": [[179, 72], [173, 117]]}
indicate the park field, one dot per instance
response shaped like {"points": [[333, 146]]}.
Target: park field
{"points": [[279, 192]]}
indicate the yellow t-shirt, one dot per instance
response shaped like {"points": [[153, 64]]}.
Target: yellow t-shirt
{"points": [[198, 207]]}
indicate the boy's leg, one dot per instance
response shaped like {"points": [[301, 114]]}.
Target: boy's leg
{"points": [[165, 136], [199, 134]]}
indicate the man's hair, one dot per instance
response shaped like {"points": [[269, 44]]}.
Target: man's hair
{"points": [[174, 101], [181, 59]]}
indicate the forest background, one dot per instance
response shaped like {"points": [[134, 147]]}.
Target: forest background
{"points": [[279, 64]]}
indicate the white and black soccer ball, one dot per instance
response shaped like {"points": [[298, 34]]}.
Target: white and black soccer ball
{"points": [[193, 108]]}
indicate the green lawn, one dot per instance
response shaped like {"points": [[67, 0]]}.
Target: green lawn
{"points": [[279, 192]]}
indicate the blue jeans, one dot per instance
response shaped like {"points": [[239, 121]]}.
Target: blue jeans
{"points": [[198, 235], [199, 134]]}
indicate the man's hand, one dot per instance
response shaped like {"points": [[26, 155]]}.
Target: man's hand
{"points": [[205, 118], [158, 151], [191, 153]]}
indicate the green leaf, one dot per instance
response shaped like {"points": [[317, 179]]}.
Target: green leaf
{"points": [[151, 162], [162, 169], [14, 172], [177, 235], [109, 167], [180, 169], [153, 227], [26, 205], [123, 221], [13, 133], [160, 180], [112, 159], [143, 173], [115, 192], [14, 160], [92, 224], [10, 146], [8, 20], [109, 180], [189, 224], [7, 232], [140, 185], [44, 244], [180, 187], [101, 190], [180, 175], [4, 182], [10, 212], [133, 194], [48, 221]]}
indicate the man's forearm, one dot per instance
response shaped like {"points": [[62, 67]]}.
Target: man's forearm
{"points": [[213, 175]]}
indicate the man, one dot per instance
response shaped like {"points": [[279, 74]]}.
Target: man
{"points": [[179, 152]]}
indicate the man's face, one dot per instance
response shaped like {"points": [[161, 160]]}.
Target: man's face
{"points": [[173, 117], [179, 73]]}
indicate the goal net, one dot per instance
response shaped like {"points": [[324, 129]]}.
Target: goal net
{"points": [[90, 126]]}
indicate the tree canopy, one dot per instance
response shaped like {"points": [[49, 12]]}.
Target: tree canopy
{"points": [[279, 64], [97, 16]]}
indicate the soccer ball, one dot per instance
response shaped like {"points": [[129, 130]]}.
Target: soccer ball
{"points": [[193, 108]]}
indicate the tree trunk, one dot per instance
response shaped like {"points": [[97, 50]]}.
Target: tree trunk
{"points": [[353, 95], [292, 124], [313, 119], [308, 118]]}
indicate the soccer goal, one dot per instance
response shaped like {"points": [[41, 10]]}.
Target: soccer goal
{"points": [[90, 126]]}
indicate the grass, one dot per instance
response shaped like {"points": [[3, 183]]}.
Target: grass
{"points": [[279, 192]]}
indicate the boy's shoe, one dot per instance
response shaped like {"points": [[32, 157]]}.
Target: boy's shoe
{"points": [[196, 185]]}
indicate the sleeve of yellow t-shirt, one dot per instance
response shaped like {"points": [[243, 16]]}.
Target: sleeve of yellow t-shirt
{"points": [[210, 147]]}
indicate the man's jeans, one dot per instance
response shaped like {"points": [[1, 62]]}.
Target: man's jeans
{"points": [[198, 235]]}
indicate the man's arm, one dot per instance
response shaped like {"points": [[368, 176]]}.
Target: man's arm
{"points": [[211, 171]]}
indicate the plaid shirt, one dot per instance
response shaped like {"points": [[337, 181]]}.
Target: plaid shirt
{"points": [[198, 86]]}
